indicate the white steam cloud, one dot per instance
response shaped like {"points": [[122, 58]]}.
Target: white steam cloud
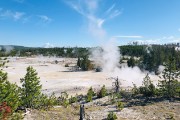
{"points": [[107, 55], [161, 68], [8, 48]]}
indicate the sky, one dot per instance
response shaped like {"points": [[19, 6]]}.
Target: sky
{"points": [[86, 23]]}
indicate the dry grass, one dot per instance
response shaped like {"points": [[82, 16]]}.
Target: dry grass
{"points": [[58, 113]]}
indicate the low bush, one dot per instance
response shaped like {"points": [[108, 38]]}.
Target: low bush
{"points": [[102, 92], [72, 100], [120, 105], [111, 116], [90, 95]]}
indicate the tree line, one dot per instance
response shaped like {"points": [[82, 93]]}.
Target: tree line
{"points": [[149, 57]]}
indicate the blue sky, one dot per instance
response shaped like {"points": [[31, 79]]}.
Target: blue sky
{"points": [[84, 23]]}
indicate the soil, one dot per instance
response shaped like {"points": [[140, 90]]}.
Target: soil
{"points": [[97, 110]]}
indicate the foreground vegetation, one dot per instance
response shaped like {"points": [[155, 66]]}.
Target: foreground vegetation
{"points": [[13, 98]]}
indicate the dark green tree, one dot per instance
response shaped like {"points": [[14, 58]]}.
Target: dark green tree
{"points": [[31, 88], [90, 95], [131, 62], [148, 89], [85, 63], [9, 93], [168, 85], [79, 62]]}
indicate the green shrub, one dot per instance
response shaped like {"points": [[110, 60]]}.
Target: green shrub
{"points": [[63, 99], [65, 103], [102, 92], [72, 99], [148, 89], [114, 97], [90, 94], [47, 102], [111, 116], [120, 105], [135, 90]]}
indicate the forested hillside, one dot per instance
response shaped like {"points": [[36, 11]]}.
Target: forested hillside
{"points": [[150, 57]]}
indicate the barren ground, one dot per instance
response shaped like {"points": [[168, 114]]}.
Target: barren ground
{"points": [[97, 110], [58, 78]]}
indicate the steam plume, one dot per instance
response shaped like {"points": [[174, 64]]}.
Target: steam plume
{"points": [[108, 54]]}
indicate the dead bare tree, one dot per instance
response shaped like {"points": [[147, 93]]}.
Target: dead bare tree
{"points": [[116, 84]]}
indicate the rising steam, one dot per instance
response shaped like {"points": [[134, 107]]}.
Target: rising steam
{"points": [[107, 55]]}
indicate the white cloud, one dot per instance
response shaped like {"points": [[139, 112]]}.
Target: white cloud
{"points": [[48, 45], [168, 37], [162, 40], [146, 42], [45, 18], [11, 14], [23, 17], [90, 9], [132, 36], [110, 9], [176, 40], [18, 15], [115, 13]]}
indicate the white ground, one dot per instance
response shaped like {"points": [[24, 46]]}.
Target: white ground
{"points": [[57, 78]]}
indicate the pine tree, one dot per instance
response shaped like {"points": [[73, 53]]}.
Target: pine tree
{"points": [[90, 95], [86, 64], [168, 85], [79, 62], [131, 62], [148, 89], [9, 93], [31, 88]]}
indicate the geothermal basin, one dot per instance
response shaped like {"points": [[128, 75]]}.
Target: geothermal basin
{"points": [[57, 78]]}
